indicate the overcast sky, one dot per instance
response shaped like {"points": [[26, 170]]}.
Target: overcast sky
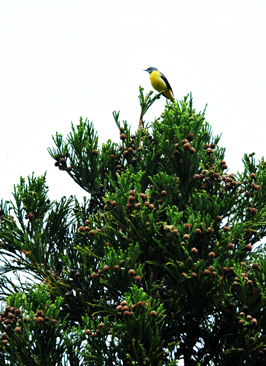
{"points": [[64, 59]]}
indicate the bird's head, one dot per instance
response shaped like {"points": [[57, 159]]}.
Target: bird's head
{"points": [[151, 69]]}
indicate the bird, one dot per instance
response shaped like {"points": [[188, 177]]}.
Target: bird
{"points": [[160, 83]]}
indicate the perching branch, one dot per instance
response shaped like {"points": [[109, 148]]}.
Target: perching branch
{"points": [[146, 102]]}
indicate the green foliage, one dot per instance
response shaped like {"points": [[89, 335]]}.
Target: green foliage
{"points": [[162, 262], [36, 334]]}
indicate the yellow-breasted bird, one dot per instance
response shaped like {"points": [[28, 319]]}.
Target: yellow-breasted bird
{"points": [[160, 83]]}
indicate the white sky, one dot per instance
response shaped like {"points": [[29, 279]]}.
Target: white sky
{"points": [[64, 59]]}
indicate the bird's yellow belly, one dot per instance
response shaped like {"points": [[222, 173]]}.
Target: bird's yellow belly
{"points": [[157, 82]]}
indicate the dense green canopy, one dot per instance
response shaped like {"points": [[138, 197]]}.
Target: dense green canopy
{"points": [[162, 261]]}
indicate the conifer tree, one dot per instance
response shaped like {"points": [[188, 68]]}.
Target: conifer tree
{"points": [[163, 261]]}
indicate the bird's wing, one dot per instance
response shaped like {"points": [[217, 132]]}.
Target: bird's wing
{"points": [[166, 82]]}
